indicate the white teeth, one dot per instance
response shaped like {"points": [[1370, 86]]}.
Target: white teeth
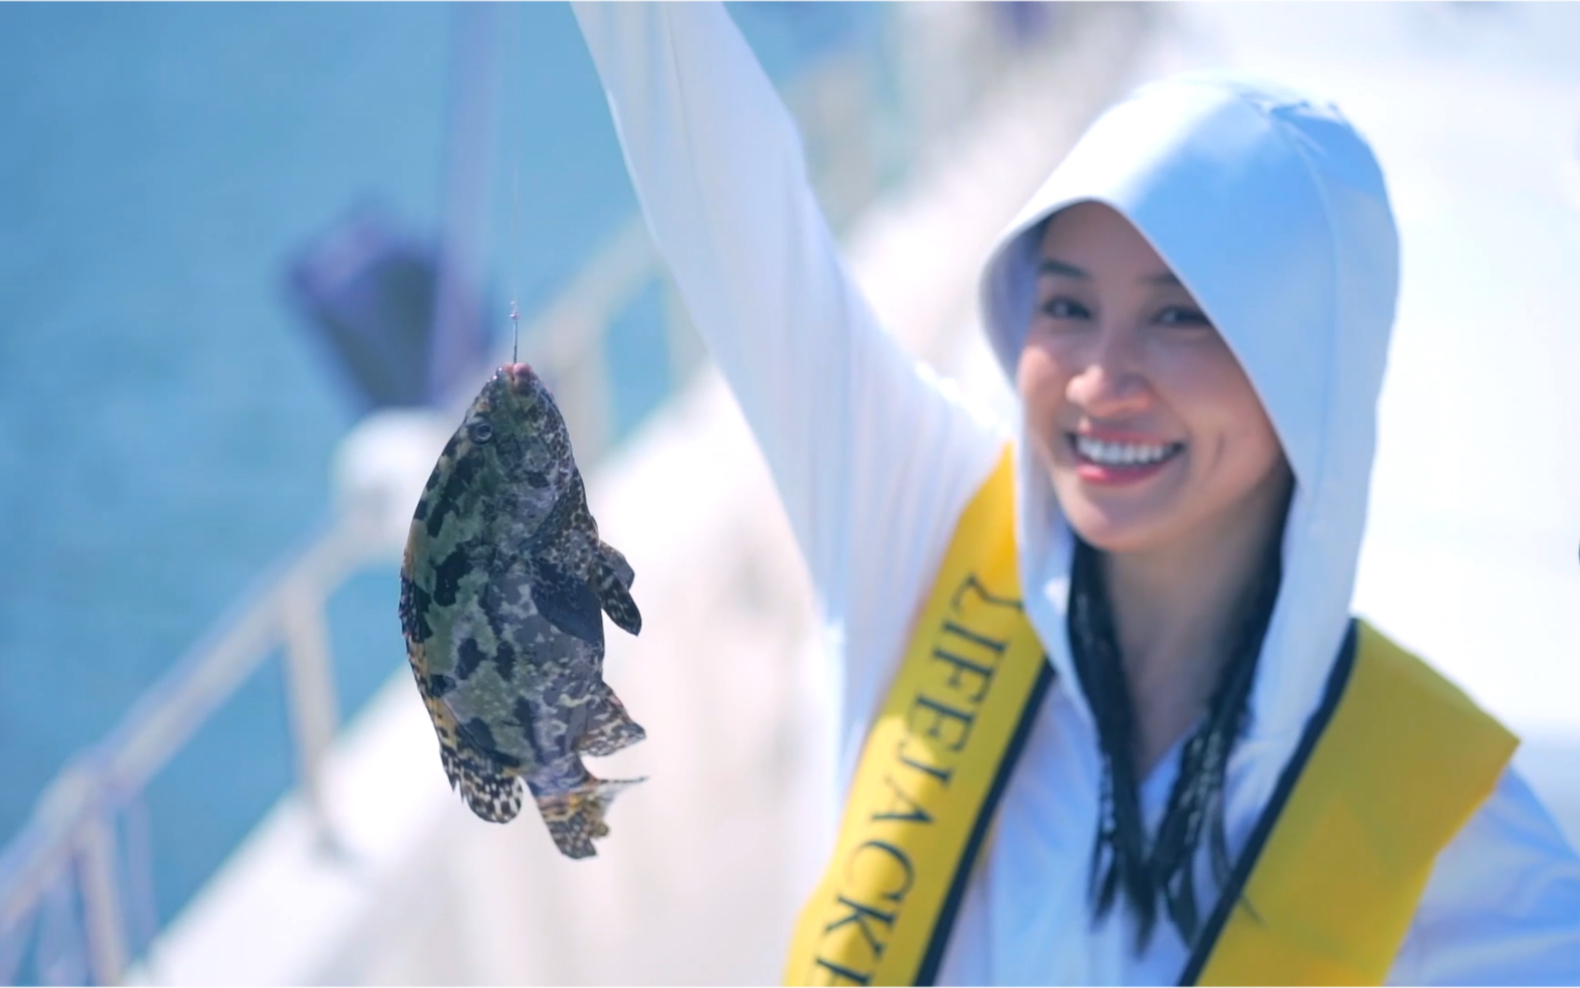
{"points": [[1121, 454]]}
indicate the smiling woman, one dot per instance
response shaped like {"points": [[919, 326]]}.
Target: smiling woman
{"points": [[1106, 714], [1170, 474]]}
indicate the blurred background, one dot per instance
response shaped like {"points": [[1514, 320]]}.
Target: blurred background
{"points": [[254, 260]]}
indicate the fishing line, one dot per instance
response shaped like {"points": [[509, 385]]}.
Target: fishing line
{"points": [[514, 101], [515, 220]]}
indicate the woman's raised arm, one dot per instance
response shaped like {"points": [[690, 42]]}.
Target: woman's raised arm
{"points": [[872, 460]]}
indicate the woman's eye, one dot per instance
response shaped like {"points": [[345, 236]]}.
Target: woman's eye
{"points": [[1183, 315], [1065, 308]]}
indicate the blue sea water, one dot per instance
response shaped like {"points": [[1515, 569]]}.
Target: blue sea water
{"points": [[166, 422]]}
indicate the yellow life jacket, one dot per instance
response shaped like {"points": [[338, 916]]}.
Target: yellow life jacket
{"points": [[1391, 765]]}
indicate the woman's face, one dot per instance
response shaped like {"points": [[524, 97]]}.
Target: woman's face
{"points": [[1148, 427]]}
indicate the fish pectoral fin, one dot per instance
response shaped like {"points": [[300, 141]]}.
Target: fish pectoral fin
{"points": [[566, 602], [609, 728], [614, 561], [614, 576]]}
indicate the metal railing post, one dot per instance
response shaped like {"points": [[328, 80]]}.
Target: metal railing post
{"points": [[13, 944], [101, 899], [310, 686]]}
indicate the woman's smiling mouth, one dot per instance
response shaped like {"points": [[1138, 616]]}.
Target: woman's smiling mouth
{"points": [[1113, 461]]}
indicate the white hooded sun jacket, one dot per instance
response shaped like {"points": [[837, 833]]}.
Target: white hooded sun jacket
{"points": [[1272, 211]]}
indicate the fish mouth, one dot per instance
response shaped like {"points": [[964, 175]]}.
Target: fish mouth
{"points": [[519, 376]]}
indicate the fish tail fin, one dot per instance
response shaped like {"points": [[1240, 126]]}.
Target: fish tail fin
{"points": [[614, 578], [492, 793], [574, 818], [610, 727]]}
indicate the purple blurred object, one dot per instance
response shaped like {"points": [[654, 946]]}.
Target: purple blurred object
{"points": [[1025, 21], [405, 322], [368, 291]]}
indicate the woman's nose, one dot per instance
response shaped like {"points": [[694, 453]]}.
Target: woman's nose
{"points": [[1109, 386]]}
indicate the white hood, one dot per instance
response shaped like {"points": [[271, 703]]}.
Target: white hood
{"points": [[1272, 211]]}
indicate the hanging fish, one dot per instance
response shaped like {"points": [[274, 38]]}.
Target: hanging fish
{"points": [[503, 590]]}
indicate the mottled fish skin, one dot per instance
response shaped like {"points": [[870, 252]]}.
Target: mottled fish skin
{"points": [[503, 589]]}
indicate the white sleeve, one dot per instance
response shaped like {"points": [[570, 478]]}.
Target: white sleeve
{"points": [[872, 458], [1503, 903]]}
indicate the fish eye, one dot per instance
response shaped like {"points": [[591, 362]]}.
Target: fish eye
{"points": [[480, 431]]}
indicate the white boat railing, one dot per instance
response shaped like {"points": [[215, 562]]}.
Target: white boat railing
{"points": [[76, 883]]}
